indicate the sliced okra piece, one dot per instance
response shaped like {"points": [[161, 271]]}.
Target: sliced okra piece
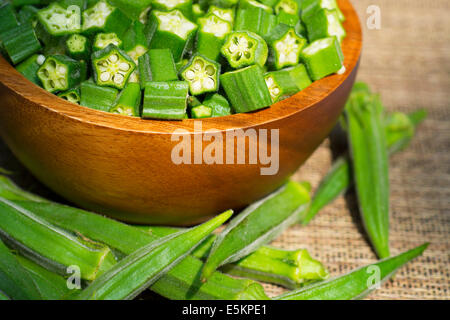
{"points": [[197, 11], [280, 85], [253, 4], [103, 17], [202, 74], [246, 89], [78, 47], [157, 65], [180, 64], [323, 57], [193, 102], [287, 18], [310, 7], [211, 34], [28, 14], [286, 46], [20, 43], [112, 67], [8, 19], [135, 43], [219, 3], [97, 97], [72, 95], [60, 73], [300, 76], [184, 6], [58, 21], [219, 105], [301, 29], [244, 48], [324, 23], [200, 112], [288, 6], [135, 10], [50, 246], [171, 30], [29, 68], [256, 20], [129, 101], [165, 100], [102, 40], [226, 14]]}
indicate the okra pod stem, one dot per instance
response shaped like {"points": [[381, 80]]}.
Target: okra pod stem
{"points": [[260, 223], [145, 266], [15, 282], [49, 245], [356, 284]]}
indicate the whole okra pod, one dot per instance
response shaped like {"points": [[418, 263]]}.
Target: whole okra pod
{"points": [[356, 284]]}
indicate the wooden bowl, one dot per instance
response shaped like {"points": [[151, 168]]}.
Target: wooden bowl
{"points": [[122, 166]]}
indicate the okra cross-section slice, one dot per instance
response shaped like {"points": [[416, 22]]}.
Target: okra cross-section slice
{"points": [[244, 48], [129, 101], [218, 104], [202, 74], [171, 30], [102, 40], [323, 57], [112, 67], [135, 42], [72, 95], [165, 100], [246, 89], [211, 35], [325, 23], [185, 6], [60, 73], [288, 6], [201, 111], [102, 17], [286, 46], [226, 14], [78, 47], [280, 84], [58, 21]]}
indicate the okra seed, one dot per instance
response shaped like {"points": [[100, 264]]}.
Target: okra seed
{"points": [[209, 83], [118, 78], [124, 66], [113, 58], [190, 74], [105, 76]]}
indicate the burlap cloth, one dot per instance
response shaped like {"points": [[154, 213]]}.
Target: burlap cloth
{"points": [[407, 61]]}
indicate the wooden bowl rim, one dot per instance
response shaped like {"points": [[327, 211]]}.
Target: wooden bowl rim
{"points": [[304, 99]]}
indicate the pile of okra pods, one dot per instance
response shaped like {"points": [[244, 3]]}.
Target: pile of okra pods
{"points": [[173, 59]]}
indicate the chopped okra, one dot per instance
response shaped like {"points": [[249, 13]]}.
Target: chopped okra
{"points": [[60, 73], [112, 67], [202, 74], [286, 46], [244, 48], [102, 40], [190, 58], [58, 21]]}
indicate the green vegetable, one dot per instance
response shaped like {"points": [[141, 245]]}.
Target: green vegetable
{"points": [[102, 40], [20, 43], [102, 17], [325, 23], [96, 97], [30, 67], [60, 73], [184, 6], [260, 223], [145, 266], [226, 14], [157, 65], [288, 6], [171, 30], [201, 111], [287, 18], [78, 47], [285, 46], [256, 20], [49, 245], [310, 7], [218, 104], [135, 42], [59, 21], [368, 149], [323, 57], [243, 48], [211, 35], [28, 14], [8, 18], [15, 282], [181, 282], [134, 9], [112, 67], [72, 95], [356, 284], [280, 84], [9, 190], [246, 89], [202, 75], [253, 4], [129, 101], [300, 76], [165, 100]]}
